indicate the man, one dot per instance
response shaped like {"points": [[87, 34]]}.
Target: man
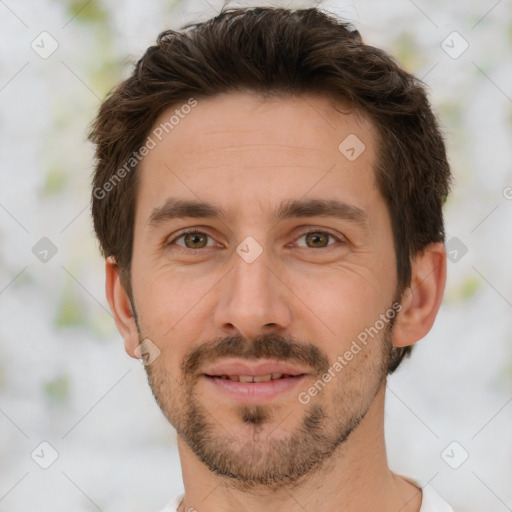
{"points": [[268, 197]]}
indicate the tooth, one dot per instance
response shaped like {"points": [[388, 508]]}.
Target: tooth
{"points": [[263, 378], [245, 378], [276, 376], [224, 377], [232, 377]]}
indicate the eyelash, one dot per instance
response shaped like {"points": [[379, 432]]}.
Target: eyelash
{"points": [[198, 231]]}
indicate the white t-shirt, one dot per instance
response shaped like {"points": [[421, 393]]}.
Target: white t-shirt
{"points": [[431, 501]]}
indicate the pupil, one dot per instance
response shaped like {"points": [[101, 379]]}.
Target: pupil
{"points": [[192, 237], [315, 236]]}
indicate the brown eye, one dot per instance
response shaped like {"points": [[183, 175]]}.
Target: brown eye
{"points": [[195, 240], [317, 239], [192, 239]]}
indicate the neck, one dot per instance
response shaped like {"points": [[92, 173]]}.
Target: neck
{"points": [[356, 478]]}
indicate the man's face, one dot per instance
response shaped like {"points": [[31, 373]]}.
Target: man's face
{"points": [[252, 288]]}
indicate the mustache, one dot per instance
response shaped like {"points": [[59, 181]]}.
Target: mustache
{"points": [[265, 346]]}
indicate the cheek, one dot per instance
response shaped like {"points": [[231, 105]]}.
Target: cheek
{"points": [[169, 305], [169, 293], [346, 298]]}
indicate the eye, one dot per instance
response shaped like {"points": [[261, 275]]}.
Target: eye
{"points": [[193, 239], [319, 239]]}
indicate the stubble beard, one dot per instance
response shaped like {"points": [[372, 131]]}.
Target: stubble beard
{"points": [[255, 458]]}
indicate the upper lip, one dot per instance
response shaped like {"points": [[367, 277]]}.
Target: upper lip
{"points": [[252, 369]]}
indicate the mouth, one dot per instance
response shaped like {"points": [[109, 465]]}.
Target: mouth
{"points": [[253, 382], [254, 378], [253, 389]]}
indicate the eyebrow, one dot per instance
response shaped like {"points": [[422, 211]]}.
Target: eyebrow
{"points": [[174, 208]]}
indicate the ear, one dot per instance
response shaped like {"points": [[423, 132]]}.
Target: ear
{"points": [[422, 299], [121, 307]]}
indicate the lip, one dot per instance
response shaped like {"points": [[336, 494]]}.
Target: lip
{"points": [[253, 369], [253, 392]]}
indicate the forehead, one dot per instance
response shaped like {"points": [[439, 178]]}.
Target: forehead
{"points": [[244, 147], [306, 121]]}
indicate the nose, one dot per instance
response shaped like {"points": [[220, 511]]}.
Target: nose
{"points": [[253, 299]]}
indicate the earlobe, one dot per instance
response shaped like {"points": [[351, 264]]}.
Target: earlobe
{"points": [[422, 299], [121, 307]]}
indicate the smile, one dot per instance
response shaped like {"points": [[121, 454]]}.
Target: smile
{"points": [[253, 389], [256, 378]]}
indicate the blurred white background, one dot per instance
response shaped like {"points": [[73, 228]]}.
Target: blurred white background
{"points": [[64, 376]]}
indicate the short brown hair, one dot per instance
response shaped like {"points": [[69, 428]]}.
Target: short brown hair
{"points": [[276, 52]]}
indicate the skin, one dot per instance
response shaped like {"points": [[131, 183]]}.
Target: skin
{"points": [[198, 301]]}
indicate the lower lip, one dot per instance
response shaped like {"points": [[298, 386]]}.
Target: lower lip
{"points": [[251, 392]]}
